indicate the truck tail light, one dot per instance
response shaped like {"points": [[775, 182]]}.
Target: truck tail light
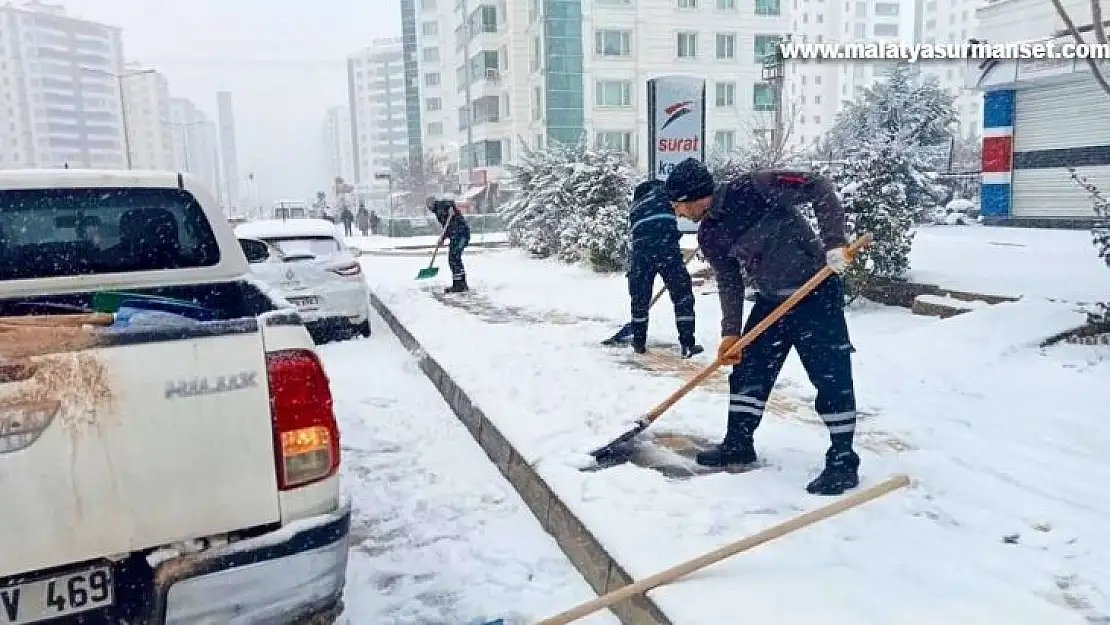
{"points": [[306, 435], [348, 271]]}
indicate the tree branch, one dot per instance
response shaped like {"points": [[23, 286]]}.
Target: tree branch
{"points": [[1091, 62], [1096, 21]]}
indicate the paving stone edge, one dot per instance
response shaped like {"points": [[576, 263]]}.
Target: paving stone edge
{"points": [[581, 547]]}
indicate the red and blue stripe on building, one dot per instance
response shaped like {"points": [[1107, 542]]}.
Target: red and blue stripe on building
{"points": [[998, 153]]}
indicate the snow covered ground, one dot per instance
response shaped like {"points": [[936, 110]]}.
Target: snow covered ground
{"points": [[1011, 261], [377, 242], [440, 538], [1006, 442]]}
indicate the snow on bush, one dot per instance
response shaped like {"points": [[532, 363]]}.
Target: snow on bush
{"points": [[884, 146], [573, 205], [1101, 230]]}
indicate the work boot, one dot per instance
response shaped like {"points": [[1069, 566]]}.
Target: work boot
{"points": [[728, 454], [458, 285], [689, 351], [639, 346], [841, 473]]}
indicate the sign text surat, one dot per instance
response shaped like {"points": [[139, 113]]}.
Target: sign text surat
{"points": [[679, 144]]}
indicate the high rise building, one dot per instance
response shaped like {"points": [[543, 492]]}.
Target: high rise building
{"points": [[229, 152], [338, 149], [147, 103], [65, 86], [430, 85], [196, 149], [376, 90], [952, 22]]}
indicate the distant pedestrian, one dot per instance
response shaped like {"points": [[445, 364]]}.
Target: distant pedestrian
{"points": [[348, 218], [363, 219], [375, 223]]}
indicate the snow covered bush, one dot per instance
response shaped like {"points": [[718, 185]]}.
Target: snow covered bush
{"points": [[1101, 229], [573, 204], [884, 147]]}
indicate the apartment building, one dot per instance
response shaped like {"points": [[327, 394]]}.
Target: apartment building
{"points": [[147, 103], [952, 21], [64, 83], [229, 150], [338, 149], [377, 101], [195, 145], [816, 91], [434, 99]]}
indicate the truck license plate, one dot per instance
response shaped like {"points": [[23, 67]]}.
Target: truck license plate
{"points": [[304, 302], [55, 597]]}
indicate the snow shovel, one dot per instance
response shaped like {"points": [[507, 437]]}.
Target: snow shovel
{"points": [[431, 270], [620, 449], [625, 333], [779, 530]]}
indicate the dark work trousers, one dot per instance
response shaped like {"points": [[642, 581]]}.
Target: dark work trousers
{"points": [[455, 249], [347, 228], [817, 329], [649, 260]]}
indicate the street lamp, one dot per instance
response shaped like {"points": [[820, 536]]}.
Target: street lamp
{"points": [[119, 76], [389, 178]]}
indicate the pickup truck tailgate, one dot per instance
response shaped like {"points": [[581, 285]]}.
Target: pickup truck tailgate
{"points": [[139, 442]]}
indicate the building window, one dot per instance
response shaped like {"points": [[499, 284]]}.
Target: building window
{"points": [[886, 30], [765, 46], [725, 140], [431, 79], [431, 55], [537, 54], [613, 3], [687, 46], [726, 5], [687, 4], [725, 94], [614, 43], [435, 129], [726, 47], [861, 9], [886, 9], [428, 5], [613, 93], [861, 31], [615, 140], [767, 7], [429, 29], [433, 104], [537, 103], [763, 97]]}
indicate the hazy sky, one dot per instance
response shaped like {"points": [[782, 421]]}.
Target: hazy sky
{"points": [[284, 63]]}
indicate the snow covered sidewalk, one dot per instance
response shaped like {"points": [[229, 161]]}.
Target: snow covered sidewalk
{"points": [[440, 538], [1007, 443]]}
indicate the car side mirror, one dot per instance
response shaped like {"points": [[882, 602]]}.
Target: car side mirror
{"points": [[256, 251]]}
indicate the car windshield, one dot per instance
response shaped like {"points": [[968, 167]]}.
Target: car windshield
{"points": [[320, 247], [47, 233]]}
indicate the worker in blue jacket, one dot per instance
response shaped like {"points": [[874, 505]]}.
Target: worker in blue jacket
{"points": [[457, 232], [656, 251], [754, 222]]}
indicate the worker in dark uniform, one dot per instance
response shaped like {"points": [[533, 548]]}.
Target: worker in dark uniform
{"points": [[457, 232], [754, 221], [656, 251]]}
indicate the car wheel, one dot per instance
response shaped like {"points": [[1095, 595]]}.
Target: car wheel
{"points": [[363, 328]]}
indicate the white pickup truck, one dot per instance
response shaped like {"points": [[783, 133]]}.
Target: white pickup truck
{"points": [[156, 474]]}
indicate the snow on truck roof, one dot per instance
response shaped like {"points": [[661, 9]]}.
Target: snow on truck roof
{"points": [[91, 178], [278, 228]]}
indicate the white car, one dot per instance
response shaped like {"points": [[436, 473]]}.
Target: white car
{"points": [[316, 271]]}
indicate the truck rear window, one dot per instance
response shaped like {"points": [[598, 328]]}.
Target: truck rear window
{"points": [[46, 233]]}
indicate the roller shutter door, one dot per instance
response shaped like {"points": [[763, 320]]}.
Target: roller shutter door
{"points": [[1061, 116]]}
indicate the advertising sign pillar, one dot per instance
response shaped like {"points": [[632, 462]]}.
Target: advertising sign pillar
{"points": [[676, 122]]}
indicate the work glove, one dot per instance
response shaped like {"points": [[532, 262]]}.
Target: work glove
{"points": [[837, 259], [726, 344]]}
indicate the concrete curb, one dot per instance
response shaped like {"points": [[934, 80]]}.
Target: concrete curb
{"points": [[583, 549]]}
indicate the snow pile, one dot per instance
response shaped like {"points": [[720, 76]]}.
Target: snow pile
{"points": [[1006, 520], [573, 204]]}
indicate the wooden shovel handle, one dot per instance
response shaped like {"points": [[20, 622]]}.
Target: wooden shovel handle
{"points": [[843, 504], [442, 236], [685, 261], [750, 336], [54, 321]]}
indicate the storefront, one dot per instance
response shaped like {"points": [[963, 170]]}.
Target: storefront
{"points": [[1041, 116]]}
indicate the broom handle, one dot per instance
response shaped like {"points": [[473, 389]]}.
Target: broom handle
{"points": [[685, 261], [775, 531], [442, 236], [754, 333]]}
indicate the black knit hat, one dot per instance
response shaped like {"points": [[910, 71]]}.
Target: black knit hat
{"points": [[646, 187], [689, 180]]}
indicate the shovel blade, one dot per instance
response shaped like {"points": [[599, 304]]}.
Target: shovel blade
{"points": [[427, 272], [622, 336], [620, 448]]}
